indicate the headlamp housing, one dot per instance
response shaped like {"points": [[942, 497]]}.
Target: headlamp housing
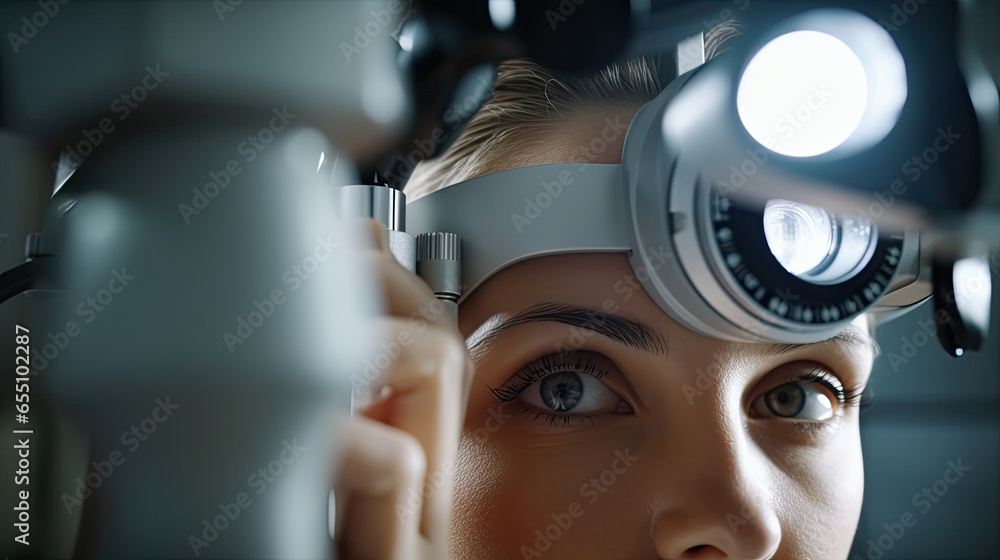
{"points": [[687, 205]]}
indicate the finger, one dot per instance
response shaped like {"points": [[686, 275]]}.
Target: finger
{"points": [[427, 382], [406, 294], [380, 467], [375, 234]]}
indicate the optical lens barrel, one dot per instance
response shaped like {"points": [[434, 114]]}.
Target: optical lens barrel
{"points": [[815, 245]]}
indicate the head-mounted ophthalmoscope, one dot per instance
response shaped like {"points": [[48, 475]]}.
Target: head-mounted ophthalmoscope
{"points": [[730, 203], [747, 213]]}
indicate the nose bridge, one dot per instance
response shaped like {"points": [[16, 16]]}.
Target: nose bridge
{"points": [[715, 435], [724, 466], [717, 491]]}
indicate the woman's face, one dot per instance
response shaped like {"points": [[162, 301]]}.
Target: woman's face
{"points": [[598, 427]]}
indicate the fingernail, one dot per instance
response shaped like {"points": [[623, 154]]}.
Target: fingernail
{"points": [[363, 397], [335, 516]]}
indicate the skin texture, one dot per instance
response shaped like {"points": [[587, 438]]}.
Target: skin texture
{"points": [[693, 466], [450, 454]]}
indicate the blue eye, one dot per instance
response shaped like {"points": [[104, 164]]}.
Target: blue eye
{"points": [[565, 384], [571, 392], [560, 391]]}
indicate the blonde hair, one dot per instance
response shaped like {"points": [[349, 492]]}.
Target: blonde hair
{"points": [[527, 100]]}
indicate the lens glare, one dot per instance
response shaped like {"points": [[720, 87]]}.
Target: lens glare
{"points": [[800, 236], [803, 94], [814, 245]]}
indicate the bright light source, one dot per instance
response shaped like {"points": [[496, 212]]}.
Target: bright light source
{"points": [[973, 289], [803, 94], [406, 42], [815, 245], [800, 236], [502, 14]]}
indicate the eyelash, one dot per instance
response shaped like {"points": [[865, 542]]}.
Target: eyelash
{"points": [[581, 362], [854, 396], [847, 398], [543, 366]]}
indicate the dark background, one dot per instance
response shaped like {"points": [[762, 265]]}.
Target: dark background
{"points": [[934, 409]]}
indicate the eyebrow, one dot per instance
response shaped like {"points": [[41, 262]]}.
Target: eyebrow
{"points": [[628, 333], [634, 334]]}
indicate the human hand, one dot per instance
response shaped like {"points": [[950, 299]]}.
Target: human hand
{"points": [[394, 487]]}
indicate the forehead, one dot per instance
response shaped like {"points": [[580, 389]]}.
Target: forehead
{"points": [[606, 283], [603, 282], [591, 279]]}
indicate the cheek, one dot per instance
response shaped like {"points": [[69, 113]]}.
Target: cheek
{"points": [[511, 494], [852, 488], [823, 510], [845, 478], [483, 499]]}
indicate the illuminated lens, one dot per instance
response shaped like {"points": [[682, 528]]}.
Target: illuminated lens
{"points": [[813, 244], [800, 236], [803, 94]]}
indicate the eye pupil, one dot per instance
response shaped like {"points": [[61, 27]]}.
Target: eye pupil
{"points": [[787, 400], [561, 391]]}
